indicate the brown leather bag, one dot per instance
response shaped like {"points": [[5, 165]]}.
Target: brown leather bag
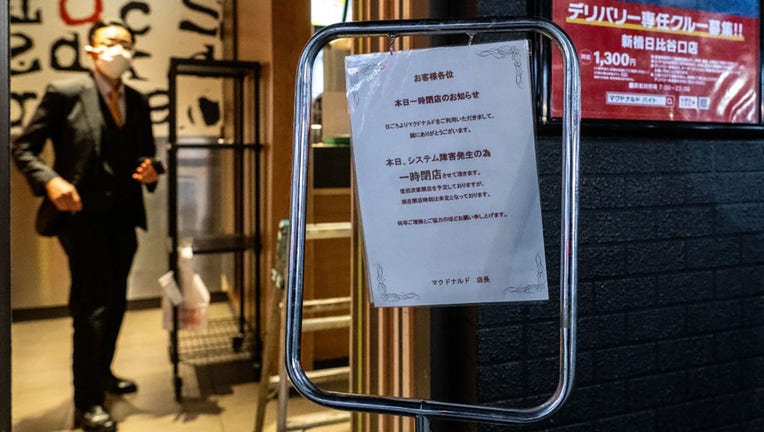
{"points": [[49, 220]]}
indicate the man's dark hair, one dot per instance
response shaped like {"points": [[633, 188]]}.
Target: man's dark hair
{"points": [[108, 23]]}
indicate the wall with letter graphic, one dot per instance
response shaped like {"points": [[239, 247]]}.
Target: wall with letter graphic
{"points": [[47, 40]]}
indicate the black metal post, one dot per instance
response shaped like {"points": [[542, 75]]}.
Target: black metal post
{"points": [[5, 228], [258, 237], [172, 225]]}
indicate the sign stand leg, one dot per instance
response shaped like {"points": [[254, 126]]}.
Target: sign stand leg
{"points": [[422, 424]]}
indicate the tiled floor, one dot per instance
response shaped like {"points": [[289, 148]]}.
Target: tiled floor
{"points": [[217, 398]]}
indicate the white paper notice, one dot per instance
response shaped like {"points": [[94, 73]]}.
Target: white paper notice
{"points": [[444, 152]]}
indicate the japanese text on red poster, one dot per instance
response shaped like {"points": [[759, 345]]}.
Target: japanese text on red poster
{"points": [[444, 153], [669, 60]]}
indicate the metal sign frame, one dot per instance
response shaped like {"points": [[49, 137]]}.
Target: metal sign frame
{"points": [[424, 410]]}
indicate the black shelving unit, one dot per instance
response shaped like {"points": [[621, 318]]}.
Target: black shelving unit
{"points": [[224, 337]]}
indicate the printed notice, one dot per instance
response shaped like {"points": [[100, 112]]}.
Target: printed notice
{"points": [[664, 60], [444, 152]]}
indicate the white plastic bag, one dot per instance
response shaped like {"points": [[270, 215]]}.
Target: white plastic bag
{"points": [[192, 310]]}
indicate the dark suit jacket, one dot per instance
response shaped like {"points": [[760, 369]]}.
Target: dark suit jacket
{"points": [[70, 116]]}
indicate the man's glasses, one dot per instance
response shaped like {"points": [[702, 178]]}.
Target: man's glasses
{"points": [[110, 42]]}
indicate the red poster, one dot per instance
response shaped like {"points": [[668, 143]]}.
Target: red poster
{"points": [[646, 61]]}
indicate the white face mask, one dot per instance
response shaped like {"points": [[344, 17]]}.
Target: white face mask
{"points": [[113, 61]]}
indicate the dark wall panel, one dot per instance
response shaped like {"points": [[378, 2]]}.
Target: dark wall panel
{"points": [[671, 290]]}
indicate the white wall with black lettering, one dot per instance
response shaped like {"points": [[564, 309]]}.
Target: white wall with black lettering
{"points": [[47, 39]]}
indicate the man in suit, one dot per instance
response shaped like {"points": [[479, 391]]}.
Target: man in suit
{"points": [[92, 201]]}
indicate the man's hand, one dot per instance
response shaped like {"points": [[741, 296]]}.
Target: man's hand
{"points": [[63, 195], [145, 173]]}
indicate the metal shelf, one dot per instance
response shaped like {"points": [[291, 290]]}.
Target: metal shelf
{"points": [[222, 342], [233, 338], [209, 244]]}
